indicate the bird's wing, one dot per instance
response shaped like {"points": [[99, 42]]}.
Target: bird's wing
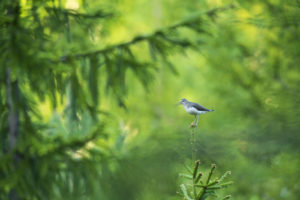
{"points": [[199, 107]]}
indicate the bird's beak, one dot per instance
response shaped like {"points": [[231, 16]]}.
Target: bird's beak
{"points": [[177, 104]]}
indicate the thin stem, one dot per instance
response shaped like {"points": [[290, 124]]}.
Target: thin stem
{"points": [[195, 146], [213, 167], [203, 191], [195, 178], [192, 140]]}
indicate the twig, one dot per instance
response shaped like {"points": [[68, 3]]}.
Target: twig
{"points": [[203, 191]]}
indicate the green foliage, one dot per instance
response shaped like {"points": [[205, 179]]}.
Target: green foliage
{"points": [[48, 57], [67, 66], [202, 189]]}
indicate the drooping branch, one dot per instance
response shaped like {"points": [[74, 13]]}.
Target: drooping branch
{"points": [[74, 144], [195, 19], [73, 13]]}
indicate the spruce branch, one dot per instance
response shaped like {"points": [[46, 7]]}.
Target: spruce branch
{"points": [[202, 189], [78, 15], [161, 33], [118, 58], [61, 145]]}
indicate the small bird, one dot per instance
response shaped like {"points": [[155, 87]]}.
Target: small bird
{"points": [[194, 109]]}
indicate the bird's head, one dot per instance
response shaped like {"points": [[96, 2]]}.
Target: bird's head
{"points": [[182, 101]]}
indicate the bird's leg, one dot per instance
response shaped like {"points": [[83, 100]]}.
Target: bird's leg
{"points": [[197, 120], [193, 123]]}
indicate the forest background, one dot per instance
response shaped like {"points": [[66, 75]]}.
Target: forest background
{"points": [[88, 92]]}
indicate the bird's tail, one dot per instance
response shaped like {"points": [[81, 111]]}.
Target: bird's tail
{"points": [[211, 110]]}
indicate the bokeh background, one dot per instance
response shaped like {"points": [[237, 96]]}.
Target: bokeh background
{"points": [[243, 63]]}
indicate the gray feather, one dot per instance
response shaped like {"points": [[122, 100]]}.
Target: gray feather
{"points": [[199, 107]]}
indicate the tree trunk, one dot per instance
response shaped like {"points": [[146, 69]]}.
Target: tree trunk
{"points": [[12, 88], [12, 92]]}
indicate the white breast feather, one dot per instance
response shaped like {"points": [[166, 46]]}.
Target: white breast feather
{"points": [[194, 111]]}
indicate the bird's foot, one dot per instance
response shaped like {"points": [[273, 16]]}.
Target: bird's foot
{"points": [[193, 125]]}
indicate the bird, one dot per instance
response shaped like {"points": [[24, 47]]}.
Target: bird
{"points": [[194, 109]]}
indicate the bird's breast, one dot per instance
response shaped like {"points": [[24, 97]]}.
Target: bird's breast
{"points": [[193, 111]]}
